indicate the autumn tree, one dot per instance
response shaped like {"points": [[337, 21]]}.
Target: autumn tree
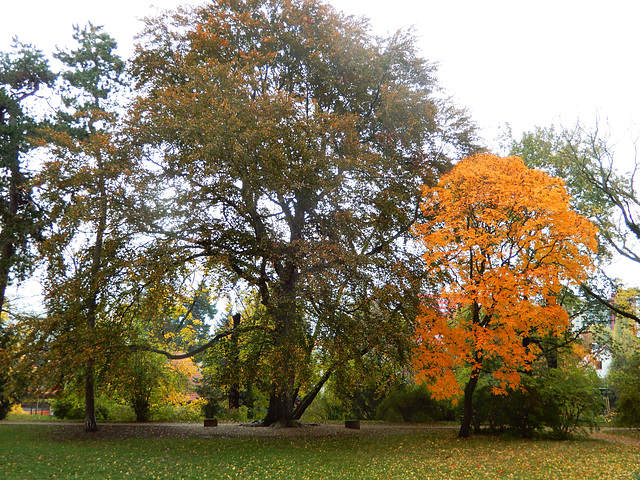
{"points": [[503, 242], [284, 148], [82, 186]]}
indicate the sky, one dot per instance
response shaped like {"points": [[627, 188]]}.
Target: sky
{"points": [[519, 62]]}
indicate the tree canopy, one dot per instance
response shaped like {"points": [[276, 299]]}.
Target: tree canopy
{"points": [[283, 146], [608, 197], [23, 72], [503, 243]]}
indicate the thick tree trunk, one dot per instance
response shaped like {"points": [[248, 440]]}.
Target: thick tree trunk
{"points": [[288, 336], [5, 265], [467, 407], [8, 248], [280, 412]]}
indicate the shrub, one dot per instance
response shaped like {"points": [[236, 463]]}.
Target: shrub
{"points": [[177, 413], [625, 380], [68, 407], [561, 399], [413, 403], [236, 414]]}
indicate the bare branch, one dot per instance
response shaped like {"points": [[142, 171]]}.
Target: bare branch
{"points": [[610, 305]]}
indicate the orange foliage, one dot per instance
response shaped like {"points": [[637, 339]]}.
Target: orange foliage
{"points": [[503, 241]]}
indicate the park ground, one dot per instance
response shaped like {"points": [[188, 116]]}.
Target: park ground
{"points": [[377, 451]]}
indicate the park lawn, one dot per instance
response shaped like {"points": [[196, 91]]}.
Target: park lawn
{"points": [[28, 452]]}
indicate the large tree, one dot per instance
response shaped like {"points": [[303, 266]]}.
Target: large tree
{"points": [[284, 147], [82, 186], [23, 73], [503, 243]]}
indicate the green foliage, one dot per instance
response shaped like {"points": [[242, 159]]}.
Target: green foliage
{"points": [[23, 72], [70, 406], [585, 161], [360, 385], [236, 414], [7, 390], [413, 403], [211, 396], [144, 381], [625, 382], [176, 413], [564, 400]]}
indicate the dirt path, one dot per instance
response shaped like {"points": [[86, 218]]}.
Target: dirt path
{"points": [[608, 435], [117, 431]]}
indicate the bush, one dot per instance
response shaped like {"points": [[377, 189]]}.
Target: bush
{"points": [[236, 414], [561, 399], [325, 407], [413, 403], [625, 381], [68, 407], [120, 413], [177, 413]]}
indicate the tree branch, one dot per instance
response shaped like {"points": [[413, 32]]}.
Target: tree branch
{"points": [[215, 340], [610, 305]]}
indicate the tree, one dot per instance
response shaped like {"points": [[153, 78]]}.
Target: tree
{"points": [[22, 74], [503, 242], [284, 148], [143, 379], [624, 373], [82, 185], [585, 160]]}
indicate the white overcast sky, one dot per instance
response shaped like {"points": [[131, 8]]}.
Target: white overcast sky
{"points": [[520, 62]]}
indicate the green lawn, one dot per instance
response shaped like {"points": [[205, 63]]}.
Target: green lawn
{"points": [[29, 452]]}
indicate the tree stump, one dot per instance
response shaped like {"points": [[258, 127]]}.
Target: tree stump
{"points": [[354, 424], [210, 422]]}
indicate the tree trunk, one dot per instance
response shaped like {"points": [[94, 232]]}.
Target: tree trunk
{"points": [[310, 397], [234, 390], [5, 265], [288, 335], [467, 415], [467, 408], [90, 422], [8, 248], [280, 412]]}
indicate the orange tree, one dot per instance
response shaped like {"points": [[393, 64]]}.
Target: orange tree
{"points": [[502, 242]]}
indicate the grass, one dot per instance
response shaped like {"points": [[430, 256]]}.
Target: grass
{"points": [[28, 452], [23, 417]]}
